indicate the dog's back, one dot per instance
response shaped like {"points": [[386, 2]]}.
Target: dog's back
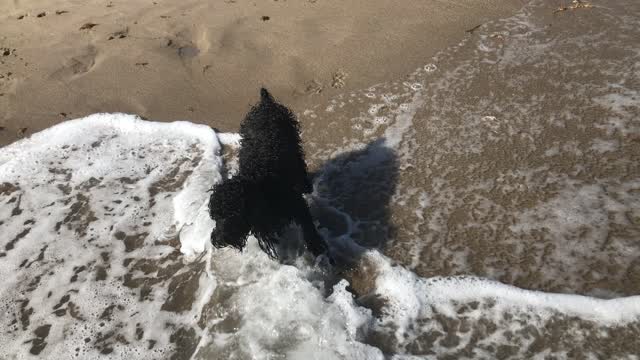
{"points": [[271, 145], [265, 195]]}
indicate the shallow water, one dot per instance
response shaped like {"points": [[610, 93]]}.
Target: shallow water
{"points": [[511, 157], [516, 152]]}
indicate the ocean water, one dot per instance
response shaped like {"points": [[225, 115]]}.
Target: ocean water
{"points": [[515, 152], [485, 206]]}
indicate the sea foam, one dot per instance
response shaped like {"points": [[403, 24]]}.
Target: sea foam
{"points": [[105, 255]]}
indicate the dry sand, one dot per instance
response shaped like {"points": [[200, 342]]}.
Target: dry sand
{"points": [[204, 60]]}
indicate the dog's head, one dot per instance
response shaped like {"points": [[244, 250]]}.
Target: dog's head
{"points": [[271, 144], [267, 100], [269, 109], [228, 207]]}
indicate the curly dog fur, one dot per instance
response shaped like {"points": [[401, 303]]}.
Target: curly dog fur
{"points": [[266, 194]]}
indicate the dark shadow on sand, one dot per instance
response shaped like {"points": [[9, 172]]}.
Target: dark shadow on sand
{"points": [[351, 200]]}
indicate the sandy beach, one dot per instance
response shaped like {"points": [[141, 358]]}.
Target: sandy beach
{"points": [[203, 61], [474, 165]]}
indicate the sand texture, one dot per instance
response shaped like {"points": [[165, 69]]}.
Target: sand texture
{"points": [[477, 181], [204, 60]]}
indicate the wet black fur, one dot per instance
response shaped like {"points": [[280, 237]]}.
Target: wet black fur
{"points": [[266, 194]]}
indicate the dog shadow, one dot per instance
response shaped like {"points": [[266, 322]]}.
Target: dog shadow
{"points": [[351, 200]]}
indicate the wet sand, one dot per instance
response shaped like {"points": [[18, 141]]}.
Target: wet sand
{"points": [[515, 160], [203, 61]]}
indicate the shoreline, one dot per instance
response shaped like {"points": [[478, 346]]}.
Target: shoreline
{"points": [[204, 62]]}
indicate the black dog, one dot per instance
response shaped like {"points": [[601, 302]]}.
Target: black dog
{"points": [[266, 194]]}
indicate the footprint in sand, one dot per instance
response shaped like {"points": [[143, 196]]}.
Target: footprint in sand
{"points": [[77, 65], [190, 43], [119, 34], [188, 51], [314, 87], [8, 83], [185, 49], [88, 26], [338, 79]]}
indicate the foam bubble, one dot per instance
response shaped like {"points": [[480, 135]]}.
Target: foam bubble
{"points": [[101, 202], [430, 68]]}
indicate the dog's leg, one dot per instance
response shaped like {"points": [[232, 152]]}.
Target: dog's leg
{"points": [[230, 232], [268, 244], [315, 242]]}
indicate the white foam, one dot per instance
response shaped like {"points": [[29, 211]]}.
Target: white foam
{"points": [[414, 302], [410, 294], [280, 310], [83, 187], [230, 139], [430, 68], [284, 313]]}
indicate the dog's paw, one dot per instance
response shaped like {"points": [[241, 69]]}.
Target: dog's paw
{"points": [[325, 261]]}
